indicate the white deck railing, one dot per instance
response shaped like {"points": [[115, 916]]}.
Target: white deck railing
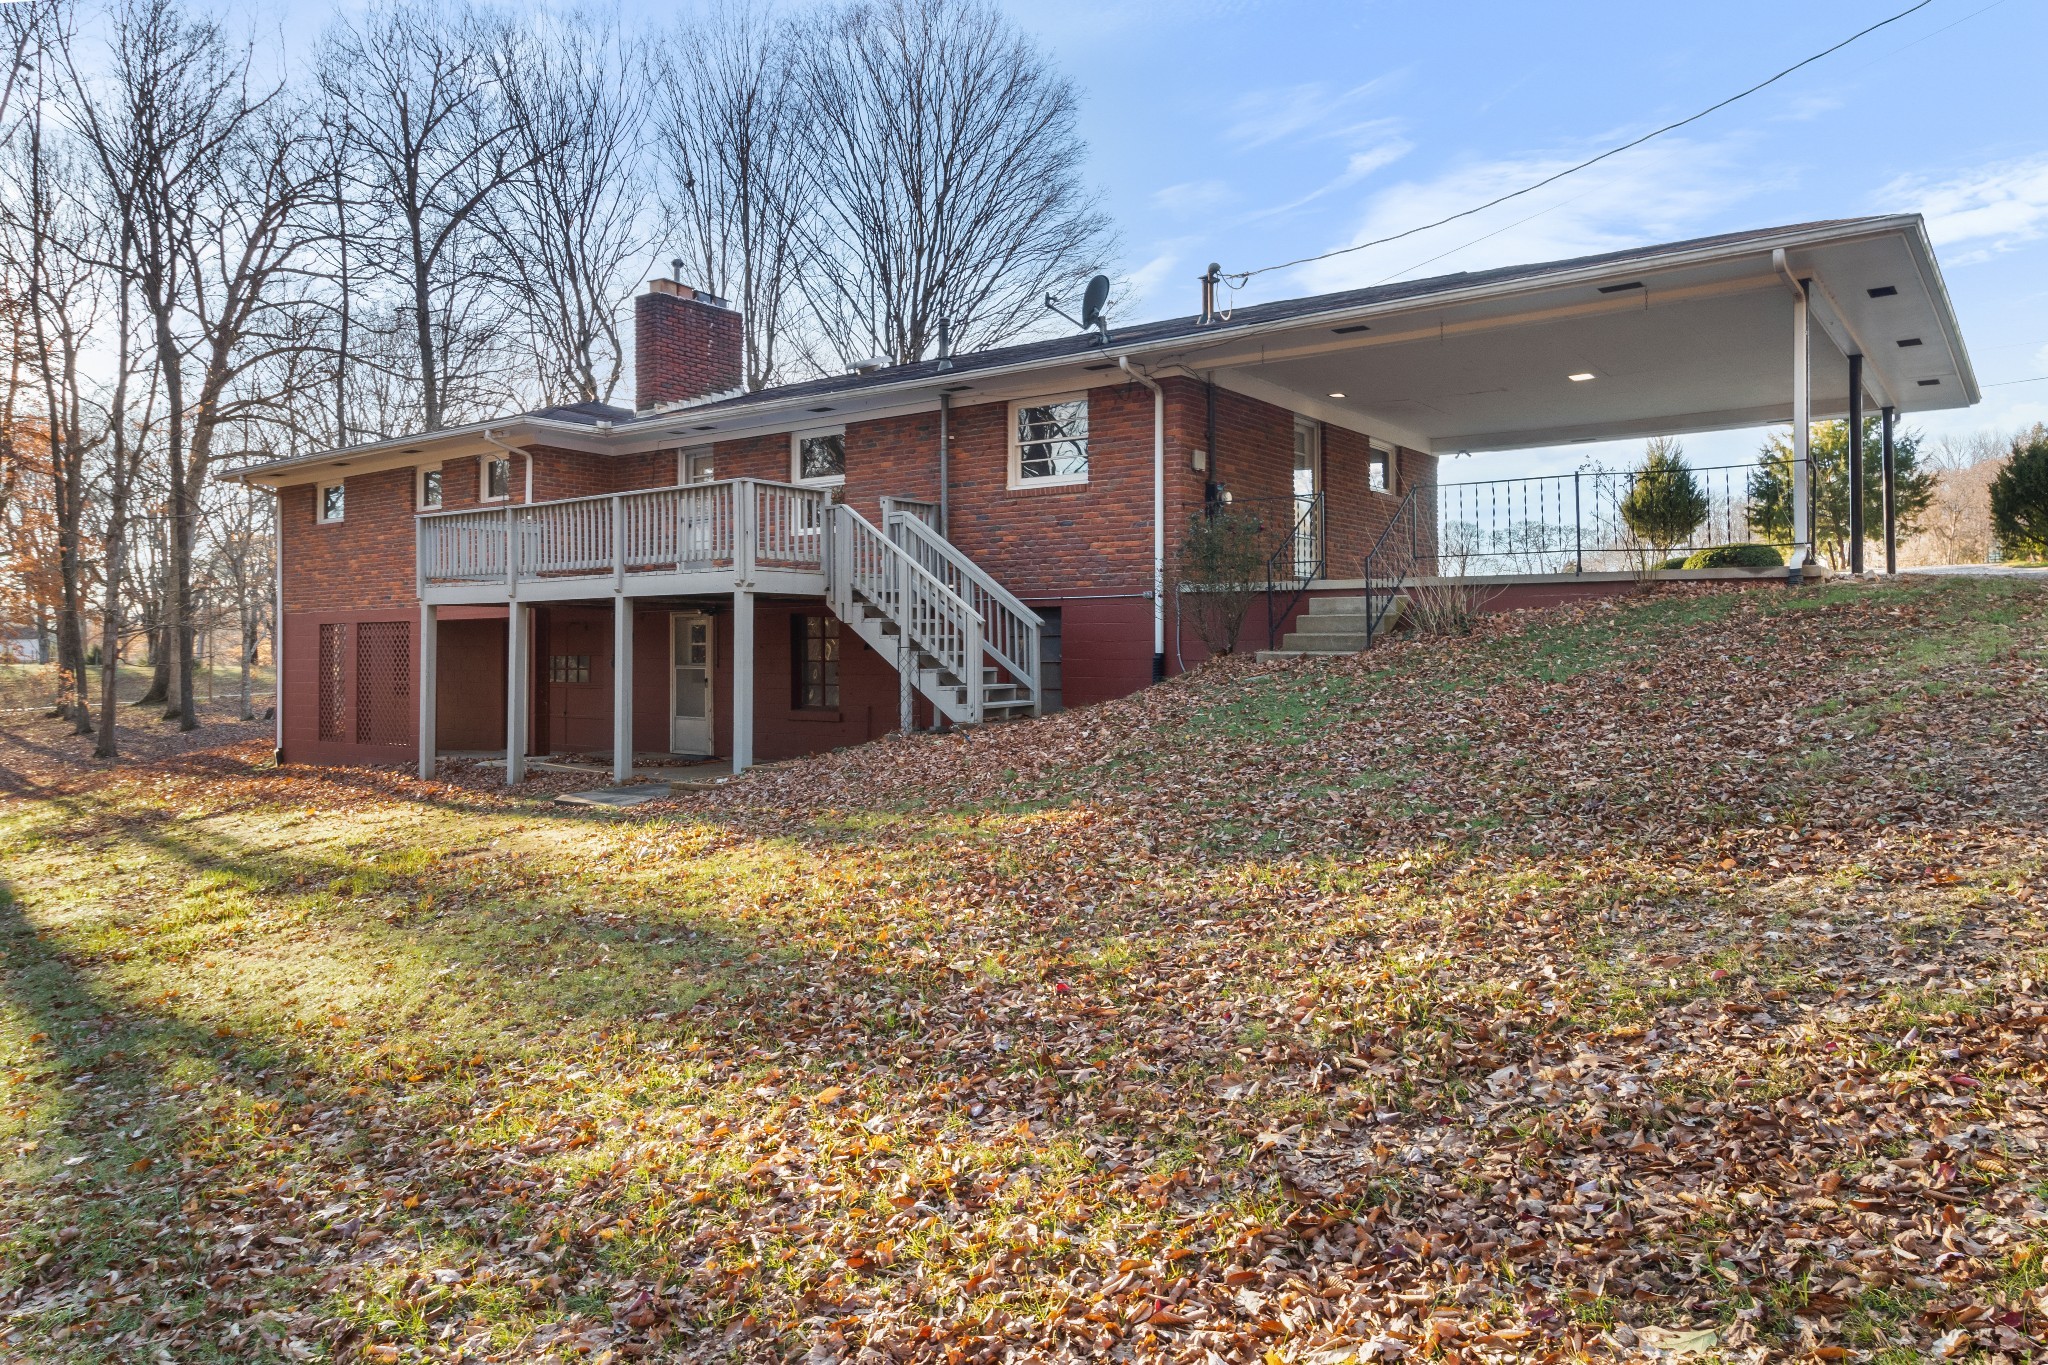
{"points": [[734, 523], [1010, 630], [868, 567]]}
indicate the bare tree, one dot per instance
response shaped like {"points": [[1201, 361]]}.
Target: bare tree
{"points": [[211, 181], [47, 238], [418, 91], [729, 120], [946, 177], [568, 227]]}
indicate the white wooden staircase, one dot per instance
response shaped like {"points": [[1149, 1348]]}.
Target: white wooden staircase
{"points": [[962, 640]]}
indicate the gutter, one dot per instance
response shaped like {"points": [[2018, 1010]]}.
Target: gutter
{"points": [[520, 451], [1158, 515]]}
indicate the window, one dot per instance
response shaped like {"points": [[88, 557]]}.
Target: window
{"points": [[814, 652], [497, 480], [819, 456], [333, 498], [569, 668], [694, 466], [1049, 441], [430, 489], [1380, 476]]}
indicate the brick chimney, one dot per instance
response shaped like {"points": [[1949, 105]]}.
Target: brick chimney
{"points": [[686, 345]]}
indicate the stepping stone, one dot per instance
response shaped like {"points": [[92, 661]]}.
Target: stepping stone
{"points": [[615, 798]]}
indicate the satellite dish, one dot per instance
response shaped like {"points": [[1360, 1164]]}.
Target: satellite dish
{"points": [[1093, 302]]}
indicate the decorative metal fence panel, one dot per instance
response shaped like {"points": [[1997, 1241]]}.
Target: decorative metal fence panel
{"points": [[1572, 523]]}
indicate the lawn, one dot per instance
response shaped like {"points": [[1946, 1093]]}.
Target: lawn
{"points": [[1635, 978]]}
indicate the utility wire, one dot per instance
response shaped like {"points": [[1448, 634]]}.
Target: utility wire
{"points": [[1239, 278]]}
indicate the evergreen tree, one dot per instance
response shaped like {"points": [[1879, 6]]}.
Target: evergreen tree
{"points": [[2019, 497], [1665, 504], [1770, 487]]}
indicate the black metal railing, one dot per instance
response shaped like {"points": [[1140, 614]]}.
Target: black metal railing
{"points": [[1574, 523], [1399, 555], [1297, 561]]}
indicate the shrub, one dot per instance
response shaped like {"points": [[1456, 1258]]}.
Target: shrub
{"points": [[2019, 499], [1736, 557], [1675, 562], [1219, 568]]}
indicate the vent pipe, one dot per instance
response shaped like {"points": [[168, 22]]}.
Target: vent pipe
{"points": [[1209, 283]]}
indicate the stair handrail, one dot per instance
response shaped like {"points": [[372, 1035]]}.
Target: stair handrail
{"points": [[1295, 583], [1011, 631], [927, 614], [1393, 557]]}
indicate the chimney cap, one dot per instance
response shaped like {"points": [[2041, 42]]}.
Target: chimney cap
{"points": [[684, 291]]}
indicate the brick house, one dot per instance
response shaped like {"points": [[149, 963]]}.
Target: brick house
{"points": [[752, 576]]}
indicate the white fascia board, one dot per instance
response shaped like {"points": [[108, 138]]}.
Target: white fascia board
{"points": [[399, 452]]}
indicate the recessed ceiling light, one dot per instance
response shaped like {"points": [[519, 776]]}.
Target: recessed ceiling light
{"points": [[1883, 291], [1909, 341], [1581, 377], [1336, 395]]}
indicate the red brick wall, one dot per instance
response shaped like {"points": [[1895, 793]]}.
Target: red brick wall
{"points": [[684, 348], [360, 563]]}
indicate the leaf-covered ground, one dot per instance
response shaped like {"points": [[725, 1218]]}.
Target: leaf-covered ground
{"points": [[1624, 982]]}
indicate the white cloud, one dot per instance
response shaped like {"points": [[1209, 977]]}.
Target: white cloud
{"points": [[1193, 196], [1357, 167], [1261, 117], [1671, 189], [1996, 207]]}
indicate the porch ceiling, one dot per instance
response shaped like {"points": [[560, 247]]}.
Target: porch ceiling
{"points": [[1700, 345]]}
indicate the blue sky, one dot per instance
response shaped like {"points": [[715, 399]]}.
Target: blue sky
{"points": [[1255, 131]]}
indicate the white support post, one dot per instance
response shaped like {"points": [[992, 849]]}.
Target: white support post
{"points": [[742, 679], [430, 668], [517, 667], [1802, 432], [622, 689]]}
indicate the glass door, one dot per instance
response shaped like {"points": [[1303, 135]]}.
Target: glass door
{"points": [[690, 683]]}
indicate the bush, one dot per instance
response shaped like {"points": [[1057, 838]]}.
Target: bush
{"points": [[1736, 557], [1219, 567], [1675, 562], [2019, 499]]}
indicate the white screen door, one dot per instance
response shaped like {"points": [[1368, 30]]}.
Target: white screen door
{"points": [[689, 683]]}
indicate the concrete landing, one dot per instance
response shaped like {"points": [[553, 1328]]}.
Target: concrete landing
{"points": [[615, 798]]}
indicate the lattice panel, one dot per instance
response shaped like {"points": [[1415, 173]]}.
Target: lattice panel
{"points": [[384, 683], [334, 680]]}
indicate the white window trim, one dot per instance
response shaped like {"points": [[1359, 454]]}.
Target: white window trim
{"points": [[419, 488], [320, 502], [1372, 448], [483, 479], [1016, 478], [683, 462], [796, 457]]}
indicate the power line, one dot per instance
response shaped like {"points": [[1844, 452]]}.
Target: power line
{"points": [[1240, 277], [2035, 379]]}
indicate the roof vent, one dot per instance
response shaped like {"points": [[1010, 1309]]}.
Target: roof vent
{"points": [[868, 366], [1929, 383], [1354, 327], [1621, 288], [1909, 341], [1883, 291]]}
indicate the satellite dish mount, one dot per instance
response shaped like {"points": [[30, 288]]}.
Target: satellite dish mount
{"points": [[1093, 301]]}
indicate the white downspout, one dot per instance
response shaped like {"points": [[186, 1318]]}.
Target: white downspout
{"points": [[277, 623], [522, 453], [1158, 515]]}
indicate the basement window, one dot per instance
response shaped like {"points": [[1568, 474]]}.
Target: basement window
{"points": [[333, 502], [814, 659], [1049, 441], [818, 456]]}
